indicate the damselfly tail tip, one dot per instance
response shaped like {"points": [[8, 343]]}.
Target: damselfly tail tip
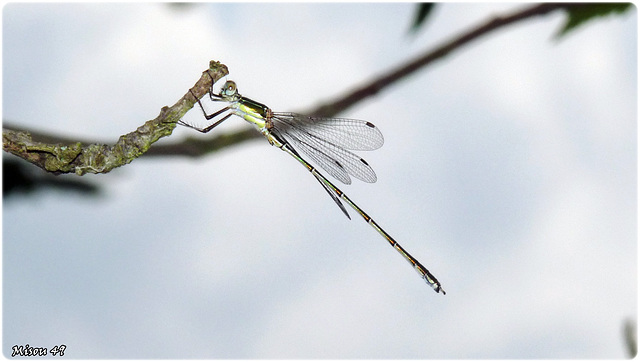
{"points": [[433, 283], [438, 289]]}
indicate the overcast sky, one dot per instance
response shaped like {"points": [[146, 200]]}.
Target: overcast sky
{"points": [[509, 170]]}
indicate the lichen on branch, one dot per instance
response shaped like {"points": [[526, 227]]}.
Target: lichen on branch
{"points": [[78, 158]]}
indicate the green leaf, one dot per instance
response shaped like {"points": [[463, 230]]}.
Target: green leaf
{"points": [[579, 14], [423, 10]]}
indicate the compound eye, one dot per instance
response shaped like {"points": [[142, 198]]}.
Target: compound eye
{"points": [[230, 88]]}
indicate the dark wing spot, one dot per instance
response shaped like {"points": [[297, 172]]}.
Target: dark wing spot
{"points": [[370, 125], [363, 161]]}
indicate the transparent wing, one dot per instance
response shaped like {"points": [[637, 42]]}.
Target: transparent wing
{"points": [[326, 145], [351, 134], [323, 160]]}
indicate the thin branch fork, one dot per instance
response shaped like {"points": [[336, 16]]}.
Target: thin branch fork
{"points": [[80, 159]]}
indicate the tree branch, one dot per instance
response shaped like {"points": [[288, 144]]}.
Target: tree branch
{"points": [[73, 157], [67, 157]]}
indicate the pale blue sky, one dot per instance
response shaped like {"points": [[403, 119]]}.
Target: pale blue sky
{"points": [[509, 170]]}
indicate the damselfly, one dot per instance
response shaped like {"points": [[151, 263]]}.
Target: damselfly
{"points": [[326, 141]]}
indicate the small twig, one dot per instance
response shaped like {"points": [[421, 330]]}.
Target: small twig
{"points": [[79, 158]]}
